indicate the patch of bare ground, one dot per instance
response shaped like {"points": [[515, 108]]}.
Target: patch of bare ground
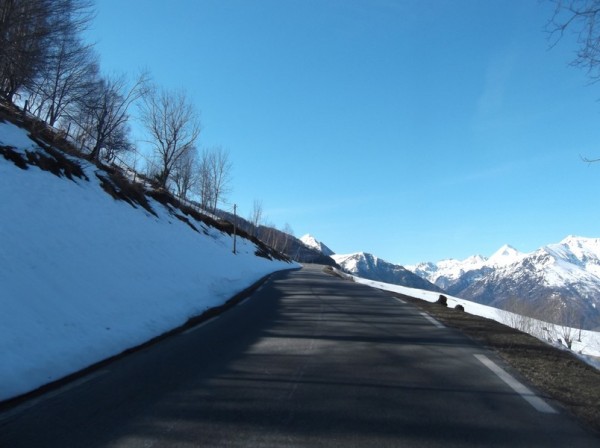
{"points": [[557, 374]]}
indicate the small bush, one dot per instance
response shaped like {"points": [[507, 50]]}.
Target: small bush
{"points": [[186, 220], [260, 252], [459, 308], [69, 167], [44, 163], [443, 300], [14, 157], [120, 188]]}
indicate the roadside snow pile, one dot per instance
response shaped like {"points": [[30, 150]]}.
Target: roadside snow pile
{"points": [[85, 276], [587, 348]]}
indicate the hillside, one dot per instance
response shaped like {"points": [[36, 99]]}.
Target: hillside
{"points": [[287, 244], [94, 265]]}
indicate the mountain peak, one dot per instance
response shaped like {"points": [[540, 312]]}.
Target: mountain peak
{"points": [[474, 259], [580, 250], [504, 256], [580, 241], [312, 242]]}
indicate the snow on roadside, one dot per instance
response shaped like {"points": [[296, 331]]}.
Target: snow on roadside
{"points": [[588, 349], [85, 276]]}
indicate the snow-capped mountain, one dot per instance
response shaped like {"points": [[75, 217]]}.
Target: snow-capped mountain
{"points": [[582, 252], [446, 272], [312, 242], [370, 267], [504, 256], [548, 282], [450, 270]]}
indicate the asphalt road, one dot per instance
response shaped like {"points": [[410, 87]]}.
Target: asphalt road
{"points": [[308, 360]]}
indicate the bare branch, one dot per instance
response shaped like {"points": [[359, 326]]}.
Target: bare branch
{"points": [[173, 125], [583, 18]]}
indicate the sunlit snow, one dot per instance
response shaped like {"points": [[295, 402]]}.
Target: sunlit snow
{"points": [[85, 277]]}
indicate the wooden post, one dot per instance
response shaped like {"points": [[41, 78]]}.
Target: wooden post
{"points": [[234, 226]]}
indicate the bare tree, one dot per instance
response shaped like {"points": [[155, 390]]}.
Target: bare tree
{"points": [[220, 173], [173, 125], [582, 17], [28, 30], [288, 233], [70, 76], [256, 216], [185, 173], [117, 143], [103, 116], [71, 66], [204, 183], [520, 316], [556, 320], [214, 178], [24, 30], [567, 321], [268, 234]]}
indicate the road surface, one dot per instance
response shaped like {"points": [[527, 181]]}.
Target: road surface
{"points": [[307, 361]]}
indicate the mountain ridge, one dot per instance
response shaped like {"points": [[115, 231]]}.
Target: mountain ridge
{"points": [[369, 266], [313, 243], [559, 282]]}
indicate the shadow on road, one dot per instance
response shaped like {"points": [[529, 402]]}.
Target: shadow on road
{"points": [[309, 361]]}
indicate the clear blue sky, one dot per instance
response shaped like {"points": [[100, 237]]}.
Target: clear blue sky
{"points": [[414, 130]]}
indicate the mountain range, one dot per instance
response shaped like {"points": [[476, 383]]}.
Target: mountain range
{"points": [[368, 266], [558, 282]]}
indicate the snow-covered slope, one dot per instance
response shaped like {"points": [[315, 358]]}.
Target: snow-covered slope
{"points": [[311, 241], [554, 277], [85, 276], [368, 266], [581, 252]]}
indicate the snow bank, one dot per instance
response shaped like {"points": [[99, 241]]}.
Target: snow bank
{"points": [[85, 277]]}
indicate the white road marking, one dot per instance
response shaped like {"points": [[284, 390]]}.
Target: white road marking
{"points": [[432, 320], [399, 300], [535, 401], [203, 324], [34, 401]]}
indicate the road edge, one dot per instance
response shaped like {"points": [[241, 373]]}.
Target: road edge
{"points": [[6, 405]]}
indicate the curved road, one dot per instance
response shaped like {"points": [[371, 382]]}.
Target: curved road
{"points": [[308, 360]]}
